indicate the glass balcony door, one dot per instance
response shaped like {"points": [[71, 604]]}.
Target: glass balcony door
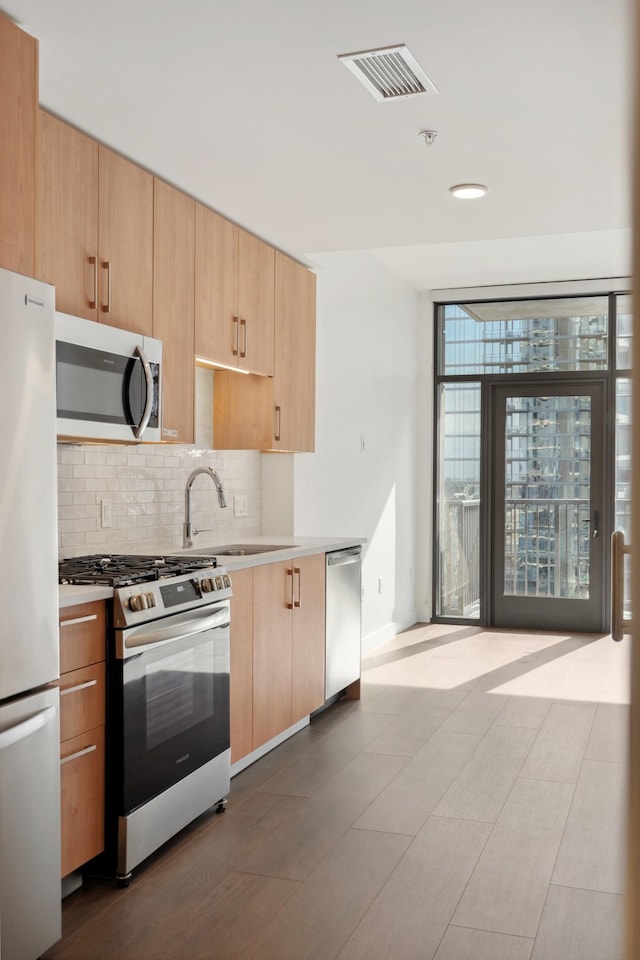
{"points": [[548, 506]]}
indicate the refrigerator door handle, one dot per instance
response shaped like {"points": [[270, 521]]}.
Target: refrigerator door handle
{"points": [[26, 727]]}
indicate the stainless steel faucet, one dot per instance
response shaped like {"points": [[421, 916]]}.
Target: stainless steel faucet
{"points": [[188, 530]]}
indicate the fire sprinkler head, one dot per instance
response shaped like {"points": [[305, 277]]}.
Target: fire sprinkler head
{"points": [[429, 137]]}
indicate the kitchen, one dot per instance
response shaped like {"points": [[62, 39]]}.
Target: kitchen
{"points": [[358, 444]]}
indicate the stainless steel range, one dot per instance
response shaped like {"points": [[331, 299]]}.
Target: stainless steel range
{"points": [[167, 746]]}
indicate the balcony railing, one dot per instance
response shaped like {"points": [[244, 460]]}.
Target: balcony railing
{"points": [[460, 559], [547, 551], [547, 547]]}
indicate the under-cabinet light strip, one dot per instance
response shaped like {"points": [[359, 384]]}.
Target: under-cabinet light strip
{"points": [[221, 366]]}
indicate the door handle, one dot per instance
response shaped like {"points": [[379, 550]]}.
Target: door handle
{"points": [[298, 602], [595, 521], [25, 728], [619, 625]]}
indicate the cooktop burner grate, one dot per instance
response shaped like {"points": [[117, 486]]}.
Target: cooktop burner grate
{"points": [[119, 570]]}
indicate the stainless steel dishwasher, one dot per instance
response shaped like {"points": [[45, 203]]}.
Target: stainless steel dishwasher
{"points": [[343, 619]]}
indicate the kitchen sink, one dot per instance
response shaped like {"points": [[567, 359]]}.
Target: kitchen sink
{"points": [[242, 549]]}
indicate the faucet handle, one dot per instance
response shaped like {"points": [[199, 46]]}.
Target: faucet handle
{"points": [[204, 530]]}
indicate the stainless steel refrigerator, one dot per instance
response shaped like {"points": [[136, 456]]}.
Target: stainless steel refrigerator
{"points": [[29, 719]]}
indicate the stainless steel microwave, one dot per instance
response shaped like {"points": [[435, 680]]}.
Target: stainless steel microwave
{"points": [[108, 382]]}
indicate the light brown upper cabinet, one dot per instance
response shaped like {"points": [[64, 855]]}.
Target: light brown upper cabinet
{"points": [[258, 413], [125, 243], [68, 216], [294, 381], [95, 230], [173, 307], [18, 136], [234, 295]]}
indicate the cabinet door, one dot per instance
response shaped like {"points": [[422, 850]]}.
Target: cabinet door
{"points": [[125, 223], [255, 304], [82, 798], [18, 133], [68, 217], [173, 307], [241, 673], [295, 356], [308, 635], [272, 651], [216, 279], [242, 408]]}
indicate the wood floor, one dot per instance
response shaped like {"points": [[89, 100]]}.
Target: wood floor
{"points": [[470, 807]]}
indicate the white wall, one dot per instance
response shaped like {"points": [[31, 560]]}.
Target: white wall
{"points": [[366, 376]]}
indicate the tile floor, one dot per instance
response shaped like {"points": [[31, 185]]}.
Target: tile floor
{"points": [[470, 807]]}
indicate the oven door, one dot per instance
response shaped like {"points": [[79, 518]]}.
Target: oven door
{"points": [[172, 701]]}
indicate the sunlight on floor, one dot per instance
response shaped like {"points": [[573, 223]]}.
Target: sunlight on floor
{"points": [[573, 667]]}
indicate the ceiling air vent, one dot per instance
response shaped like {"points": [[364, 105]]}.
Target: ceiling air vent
{"points": [[389, 72]]}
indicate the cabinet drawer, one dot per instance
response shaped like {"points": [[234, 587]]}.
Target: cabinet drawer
{"points": [[82, 798], [81, 700], [82, 635]]}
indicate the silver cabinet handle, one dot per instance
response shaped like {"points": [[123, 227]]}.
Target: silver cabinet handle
{"points": [[69, 623], [278, 417], [236, 337], [243, 324], [26, 727], [78, 686], [106, 307], [80, 753], [94, 262], [619, 626], [148, 376]]}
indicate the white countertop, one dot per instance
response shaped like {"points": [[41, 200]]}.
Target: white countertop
{"points": [[287, 548]]}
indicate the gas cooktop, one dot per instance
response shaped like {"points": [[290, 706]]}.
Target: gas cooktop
{"points": [[119, 570]]}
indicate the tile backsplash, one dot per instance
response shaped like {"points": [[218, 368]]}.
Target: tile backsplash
{"points": [[145, 485]]}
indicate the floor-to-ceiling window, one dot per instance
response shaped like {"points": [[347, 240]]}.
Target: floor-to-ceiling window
{"points": [[527, 392]]}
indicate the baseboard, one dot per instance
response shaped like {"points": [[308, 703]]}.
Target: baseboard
{"points": [[269, 745], [388, 632]]}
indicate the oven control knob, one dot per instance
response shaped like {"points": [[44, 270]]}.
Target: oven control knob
{"points": [[151, 600], [207, 585], [136, 603]]}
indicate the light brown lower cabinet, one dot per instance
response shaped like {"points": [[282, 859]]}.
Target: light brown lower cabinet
{"points": [[82, 798], [82, 719], [277, 653]]}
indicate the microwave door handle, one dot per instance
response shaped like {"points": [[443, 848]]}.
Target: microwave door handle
{"points": [[146, 366]]}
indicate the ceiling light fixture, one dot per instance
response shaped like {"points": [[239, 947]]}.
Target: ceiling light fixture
{"points": [[468, 191]]}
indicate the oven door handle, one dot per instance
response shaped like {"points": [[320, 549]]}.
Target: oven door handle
{"points": [[179, 628]]}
